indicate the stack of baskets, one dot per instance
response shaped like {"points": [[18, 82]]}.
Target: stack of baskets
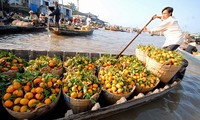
{"points": [[161, 62]]}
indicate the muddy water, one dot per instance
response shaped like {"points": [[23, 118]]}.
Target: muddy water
{"points": [[180, 104]]}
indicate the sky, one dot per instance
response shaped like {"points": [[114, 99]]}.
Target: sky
{"points": [[136, 13]]}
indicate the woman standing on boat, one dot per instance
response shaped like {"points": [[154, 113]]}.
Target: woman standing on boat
{"points": [[56, 13]]}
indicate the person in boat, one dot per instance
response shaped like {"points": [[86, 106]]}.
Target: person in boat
{"points": [[189, 44], [33, 18], [171, 30], [191, 48], [56, 13], [42, 19], [62, 19], [88, 20]]}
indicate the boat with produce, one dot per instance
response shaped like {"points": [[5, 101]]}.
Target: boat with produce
{"points": [[20, 29], [71, 32], [194, 57], [94, 85]]}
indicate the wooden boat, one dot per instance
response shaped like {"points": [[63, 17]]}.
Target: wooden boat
{"points": [[192, 57], [18, 29], [75, 32], [105, 110]]}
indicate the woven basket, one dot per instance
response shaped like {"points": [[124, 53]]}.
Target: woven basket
{"points": [[113, 98], [35, 113], [140, 89], [11, 73], [141, 55], [59, 71], [80, 105], [164, 72]]}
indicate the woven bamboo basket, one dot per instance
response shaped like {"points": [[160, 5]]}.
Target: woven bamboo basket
{"points": [[80, 105], [141, 89], [35, 113], [58, 71], [113, 98], [141, 55], [164, 72], [10, 73]]}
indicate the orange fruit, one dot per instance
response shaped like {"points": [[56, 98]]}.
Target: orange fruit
{"points": [[37, 80], [80, 94], [24, 101], [29, 95], [18, 93], [27, 88], [23, 108], [49, 84], [14, 67], [59, 82], [39, 90], [16, 108], [10, 89], [28, 84], [95, 86], [39, 96], [17, 100], [16, 85], [32, 103], [47, 101], [73, 95], [65, 89], [33, 90], [57, 90], [42, 85], [7, 96], [53, 80], [14, 61], [8, 103]]}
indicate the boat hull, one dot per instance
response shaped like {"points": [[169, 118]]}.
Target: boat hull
{"points": [[19, 30]]}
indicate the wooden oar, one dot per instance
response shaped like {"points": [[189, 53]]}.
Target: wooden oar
{"points": [[134, 38]]}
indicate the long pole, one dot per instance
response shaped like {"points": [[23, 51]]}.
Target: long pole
{"points": [[2, 5], [134, 38], [78, 7]]}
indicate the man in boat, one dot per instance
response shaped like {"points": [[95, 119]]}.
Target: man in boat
{"points": [[189, 44], [42, 19], [56, 13], [88, 20], [171, 30], [191, 48], [33, 18]]}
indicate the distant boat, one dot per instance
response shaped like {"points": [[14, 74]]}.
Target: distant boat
{"points": [[74, 32], [195, 58]]}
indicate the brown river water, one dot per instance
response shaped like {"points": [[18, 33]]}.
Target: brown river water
{"points": [[182, 103]]}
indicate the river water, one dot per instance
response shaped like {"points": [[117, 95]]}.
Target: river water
{"points": [[180, 104]]}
